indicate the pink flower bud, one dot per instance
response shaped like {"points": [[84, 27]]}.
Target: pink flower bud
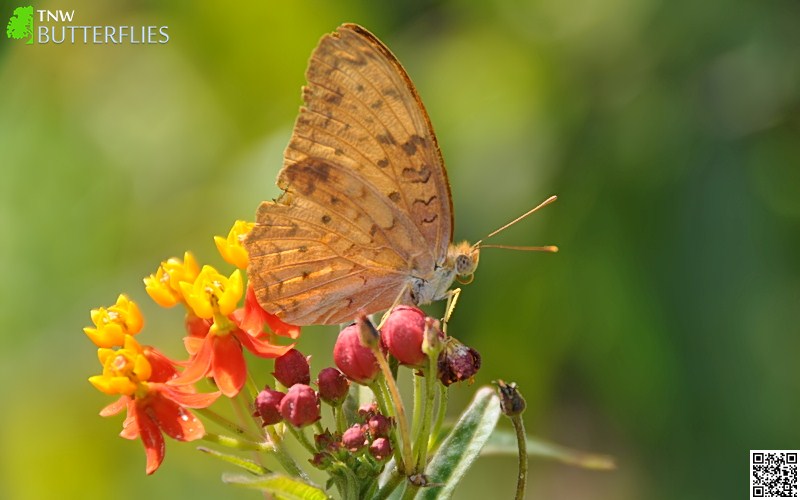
{"points": [[354, 438], [367, 410], [379, 426], [333, 386], [381, 449], [326, 441], [268, 404], [292, 368], [300, 406], [457, 362], [403, 333], [353, 359]]}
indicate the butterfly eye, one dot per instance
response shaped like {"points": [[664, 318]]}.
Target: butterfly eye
{"points": [[465, 265]]}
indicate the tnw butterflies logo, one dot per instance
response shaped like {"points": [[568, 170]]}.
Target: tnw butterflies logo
{"points": [[20, 25]]}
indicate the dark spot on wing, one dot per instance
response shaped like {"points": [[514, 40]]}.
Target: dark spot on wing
{"points": [[385, 138], [394, 196], [302, 248], [417, 176], [383, 163], [333, 98], [306, 173], [377, 104], [426, 203], [326, 219], [410, 148]]}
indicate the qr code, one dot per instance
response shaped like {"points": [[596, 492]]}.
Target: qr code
{"points": [[773, 474]]}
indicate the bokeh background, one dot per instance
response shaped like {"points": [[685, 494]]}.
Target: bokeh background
{"points": [[665, 332]]}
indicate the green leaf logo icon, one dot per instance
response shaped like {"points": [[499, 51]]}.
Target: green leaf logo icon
{"points": [[21, 24]]}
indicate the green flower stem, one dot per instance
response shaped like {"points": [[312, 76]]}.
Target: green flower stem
{"points": [[227, 424], [302, 438], [411, 491], [417, 414], [338, 416], [423, 438], [231, 442], [402, 422], [350, 481], [441, 411], [252, 388], [275, 446], [242, 406], [387, 489], [522, 478], [381, 397]]}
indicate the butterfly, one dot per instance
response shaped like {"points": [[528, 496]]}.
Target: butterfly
{"points": [[365, 219]]}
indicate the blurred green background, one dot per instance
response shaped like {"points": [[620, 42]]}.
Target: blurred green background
{"points": [[664, 332]]}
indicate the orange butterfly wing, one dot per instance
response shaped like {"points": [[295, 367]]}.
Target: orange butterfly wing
{"points": [[366, 203]]}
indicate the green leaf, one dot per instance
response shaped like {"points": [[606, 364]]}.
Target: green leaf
{"points": [[504, 442], [462, 446], [279, 485]]}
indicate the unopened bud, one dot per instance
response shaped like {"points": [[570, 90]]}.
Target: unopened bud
{"points": [[292, 368], [457, 362], [268, 404], [333, 386], [300, 406]]}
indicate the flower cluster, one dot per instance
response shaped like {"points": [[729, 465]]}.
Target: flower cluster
{"points": [[222, 319], [155, 393]]}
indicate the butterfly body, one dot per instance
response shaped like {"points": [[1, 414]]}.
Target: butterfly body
{"points": [[365, 218]]}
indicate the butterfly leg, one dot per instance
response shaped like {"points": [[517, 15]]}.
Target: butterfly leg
{"points": [[452, 300], [396, 303]]}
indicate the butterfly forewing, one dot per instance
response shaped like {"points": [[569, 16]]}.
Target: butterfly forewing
{"points": [[366, 202]]}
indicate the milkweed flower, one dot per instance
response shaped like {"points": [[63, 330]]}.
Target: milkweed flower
{"points": [[164, 287], [138, 374], [214, 297], [231, 247], [212, 294], [113, 324]]}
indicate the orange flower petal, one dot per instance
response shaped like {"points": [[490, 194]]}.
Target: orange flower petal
{"points": [[115, 407], [152, 439], [261, 348], [177, 422], [228, 365], [198, 366]]}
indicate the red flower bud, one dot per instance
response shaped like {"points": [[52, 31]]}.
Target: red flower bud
{"points": [[402, 334], [353, 359], [300, 406], [379, 426], [333, 386], [457, 362], [381, 449], [292, 368], [354, 438], [268, 404]]}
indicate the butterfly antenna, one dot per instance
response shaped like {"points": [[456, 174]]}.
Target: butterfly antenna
{"points": [[529, 212]]}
